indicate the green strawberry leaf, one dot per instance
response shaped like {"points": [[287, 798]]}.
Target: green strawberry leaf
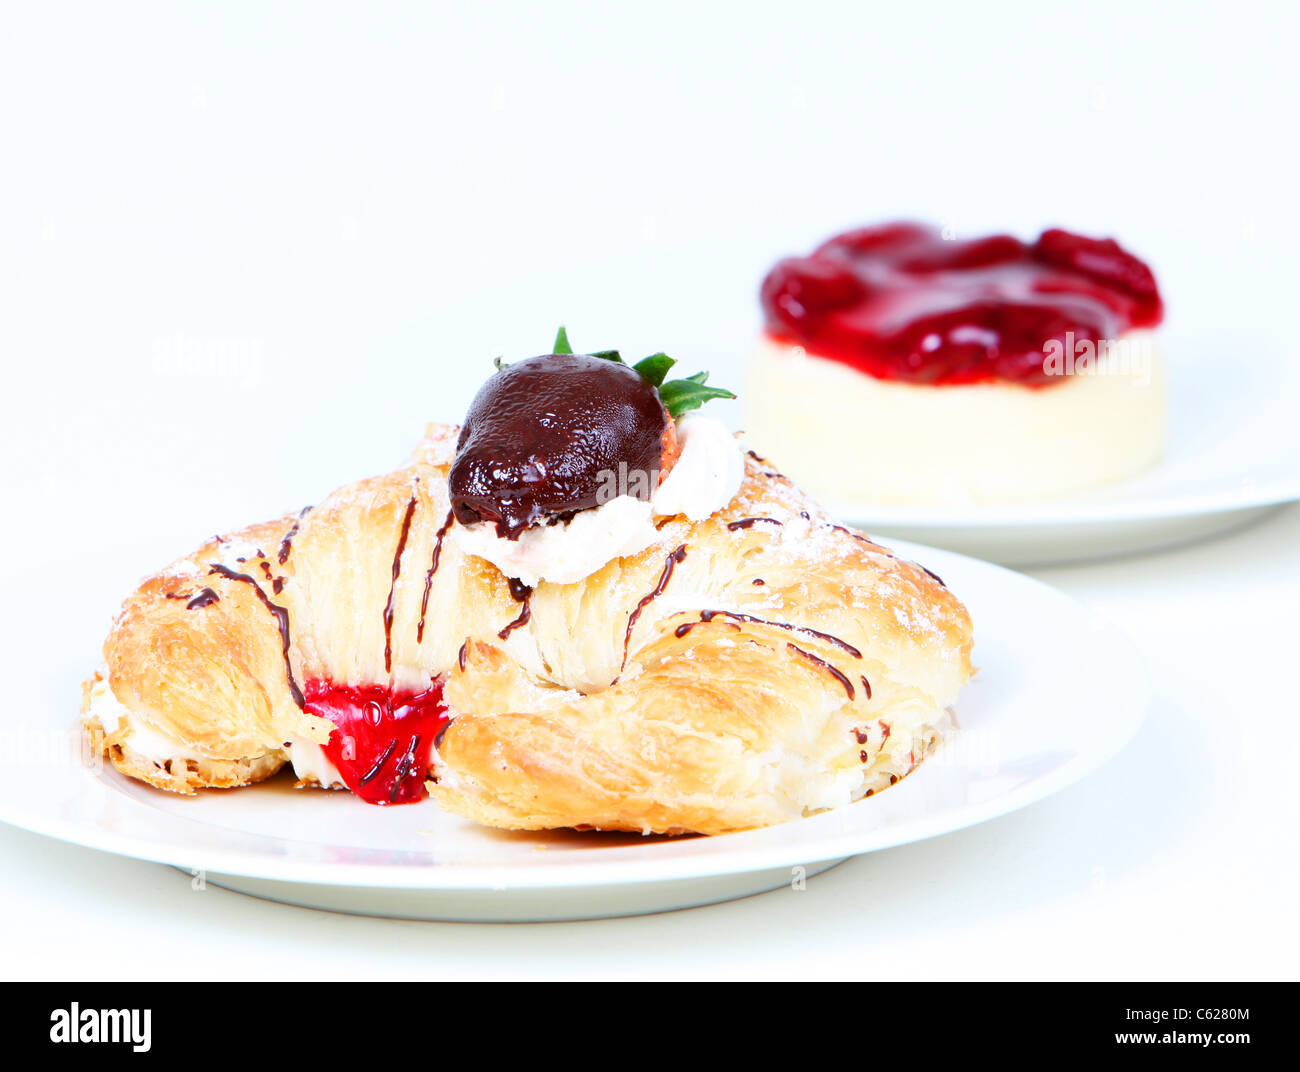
{"points": [[678, 396], [655, 367], [681, 396]]}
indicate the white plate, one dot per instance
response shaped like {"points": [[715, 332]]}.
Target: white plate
{"points": [[1047, 539], [1058, 692], [1233, 455]]}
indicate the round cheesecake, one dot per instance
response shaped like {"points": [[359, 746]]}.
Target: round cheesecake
{"points": [[901, 368]]}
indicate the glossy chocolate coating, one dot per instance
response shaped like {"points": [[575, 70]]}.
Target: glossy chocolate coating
{"points": [[542, 435]]}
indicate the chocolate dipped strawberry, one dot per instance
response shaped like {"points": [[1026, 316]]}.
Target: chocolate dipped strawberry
{"points": [[543, 435]]}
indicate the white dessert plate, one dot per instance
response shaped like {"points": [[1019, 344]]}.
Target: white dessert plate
{"points": [[1028, 727], [1233, 456]]}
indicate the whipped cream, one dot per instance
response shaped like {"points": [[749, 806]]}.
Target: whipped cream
{"points": [[566, 552], [705, 477], [708, 472], [140, 737], [310, 763]]}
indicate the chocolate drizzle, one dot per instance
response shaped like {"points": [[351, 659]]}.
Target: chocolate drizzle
{"points": [[816, 660], [437, 740], [392, 588], [281, 618], [428, 577], [935, 576], [205, 598], [859, 536], [707, 616], [866, 686], [404, 768], [520, 593], [749, 522], [286, 545], [374, 771], [681, 630], [669, 563], [460, 656]]}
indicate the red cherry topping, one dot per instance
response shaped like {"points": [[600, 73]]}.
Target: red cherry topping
{"points": [[900, 302], [383, 739]]}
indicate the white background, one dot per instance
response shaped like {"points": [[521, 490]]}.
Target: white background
{"points": [[246, 254]]}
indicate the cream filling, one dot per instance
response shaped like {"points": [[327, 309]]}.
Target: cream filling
{"points": [[141, 738], [311, 764], [309, 761], [705, 478]]}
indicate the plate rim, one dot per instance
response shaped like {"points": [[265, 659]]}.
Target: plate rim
{"points": [[1072, 512]]}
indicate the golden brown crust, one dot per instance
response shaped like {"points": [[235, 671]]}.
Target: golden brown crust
{"points": [[197, 652], [176, 774], [743, 670], [187, 776]]}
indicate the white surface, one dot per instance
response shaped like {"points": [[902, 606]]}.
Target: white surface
{"points": [[1025, 732], [238, 260]]}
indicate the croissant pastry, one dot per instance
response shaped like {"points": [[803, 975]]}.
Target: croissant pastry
{"points": [[719, 670]]}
